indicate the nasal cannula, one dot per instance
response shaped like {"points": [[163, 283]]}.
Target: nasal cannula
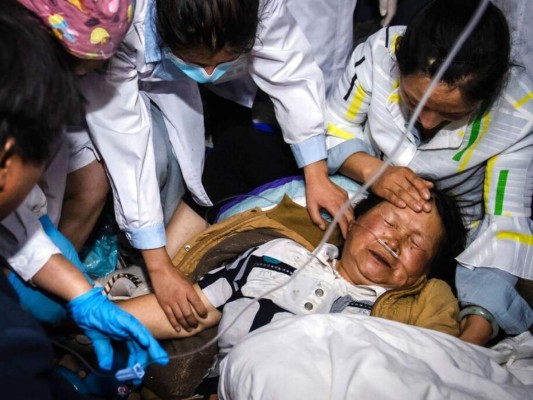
{"points": [[137, 371]]}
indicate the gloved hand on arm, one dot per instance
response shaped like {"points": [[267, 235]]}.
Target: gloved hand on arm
{"points": [[103, 321]]}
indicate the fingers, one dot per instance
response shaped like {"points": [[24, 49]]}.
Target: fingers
{"points": [[137, 354], [142, 345], [173, 291], [343, 224], [120, 325], [390, 195], [197, 304], [145, 345], [317, 219], [347, 212], [407, 196], [157, 353], [332, 198], [172, 318], [181, 315], [186, 317], [421, 186], [423, 189], [416, 192], [133, 328], [103, 349], [403, 188], [344, 219]]}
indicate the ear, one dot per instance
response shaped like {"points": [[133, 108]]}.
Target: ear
{"points": [[6, 157]]}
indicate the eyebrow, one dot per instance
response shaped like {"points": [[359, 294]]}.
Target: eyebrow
{"points": [[416, 231], [414, 102]]}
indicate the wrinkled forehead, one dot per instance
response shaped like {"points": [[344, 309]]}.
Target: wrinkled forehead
{"points": [[426, 224]]}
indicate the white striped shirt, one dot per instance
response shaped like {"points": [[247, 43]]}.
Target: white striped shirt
{"points": [[484, 159], [316, 289]]}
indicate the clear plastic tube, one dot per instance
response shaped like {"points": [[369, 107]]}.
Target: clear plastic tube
{"points": [[434, 82]]}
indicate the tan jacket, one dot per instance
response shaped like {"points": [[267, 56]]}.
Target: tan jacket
{"points": [[427, 304]]}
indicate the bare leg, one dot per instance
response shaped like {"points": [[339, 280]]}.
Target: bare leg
{"points": [[85, 197], [183, 225]]}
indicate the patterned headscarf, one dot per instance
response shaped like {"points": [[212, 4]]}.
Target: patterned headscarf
{"points": [[89, 29]]}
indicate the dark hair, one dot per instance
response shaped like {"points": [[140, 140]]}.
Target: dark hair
{"points": [[443, 264], [479, 68], [38, 94], [210, 25]]}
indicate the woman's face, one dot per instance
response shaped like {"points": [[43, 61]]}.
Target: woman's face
{"points": [[390, 246], [17, 178], [444, 105]]}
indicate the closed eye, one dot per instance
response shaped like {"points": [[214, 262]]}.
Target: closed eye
{"points": [[416, 243], [390, 224]]}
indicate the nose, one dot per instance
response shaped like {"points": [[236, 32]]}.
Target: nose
{"points": [[430, 119], [393, 243]]}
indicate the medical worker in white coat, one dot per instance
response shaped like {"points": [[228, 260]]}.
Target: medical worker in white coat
{"points": [[475, 135], [146, 119], [329, 28], [30, 127], [89, 33]]}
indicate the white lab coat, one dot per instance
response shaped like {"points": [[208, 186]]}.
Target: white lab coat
{"points": [[328, 25], [119, 120], [485, 160], [23, 241]]}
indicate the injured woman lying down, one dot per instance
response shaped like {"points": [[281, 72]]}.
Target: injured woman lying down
{"points": [[385, 270]]}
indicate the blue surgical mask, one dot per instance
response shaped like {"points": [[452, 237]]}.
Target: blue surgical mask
{"points": [[196, 72]]}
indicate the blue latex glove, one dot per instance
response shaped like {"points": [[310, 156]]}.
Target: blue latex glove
{"points": [[102, 320]]}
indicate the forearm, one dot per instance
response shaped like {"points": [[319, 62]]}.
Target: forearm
{"points": [[148, 311], [315, 172], [360, 166], [476, 330], [157, 260], [58, 276]]}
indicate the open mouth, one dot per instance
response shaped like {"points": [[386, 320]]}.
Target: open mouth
{"points": [[381, 258]]}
